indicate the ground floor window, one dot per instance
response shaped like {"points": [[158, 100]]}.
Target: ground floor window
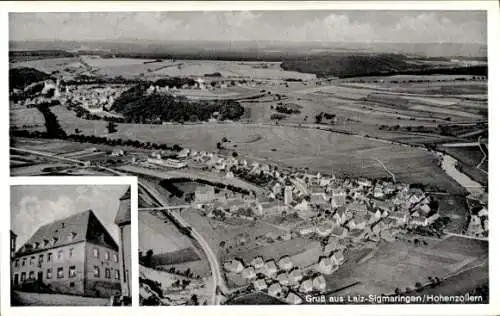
{"points": [[96, 271], [32, 275], [117, 274], [72, 284], [23, 276], [72, 272], [107, 273], [49, 273], [60, 273]]}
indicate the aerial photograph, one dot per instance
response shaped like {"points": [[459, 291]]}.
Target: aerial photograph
{"points": [[282, 157], [69, 245]]}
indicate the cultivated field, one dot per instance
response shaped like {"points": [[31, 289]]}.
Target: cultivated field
{"points": [[29, 119], [160, 236], [296, 147], [401, 265]]}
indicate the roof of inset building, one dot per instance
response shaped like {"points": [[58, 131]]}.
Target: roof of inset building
{"points": [[84, 226]]}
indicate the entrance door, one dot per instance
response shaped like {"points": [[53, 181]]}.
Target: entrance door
{"points": [[16, 280], [40, 276]]}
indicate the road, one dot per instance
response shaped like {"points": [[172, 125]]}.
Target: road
{"points": [[49, 155], [44, 299], [218, 281]]}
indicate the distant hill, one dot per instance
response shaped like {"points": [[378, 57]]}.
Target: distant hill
{"points": [[250, 50], [20, 78]]}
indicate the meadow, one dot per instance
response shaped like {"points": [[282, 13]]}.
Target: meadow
{"points": [[287, 146], [400, 265], [27, 118]]}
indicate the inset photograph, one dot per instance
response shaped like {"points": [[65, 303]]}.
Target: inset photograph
{"points": [[70, 245]]}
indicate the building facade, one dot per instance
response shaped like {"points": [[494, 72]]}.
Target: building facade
{"points": [[74, 255], [123, 220]]}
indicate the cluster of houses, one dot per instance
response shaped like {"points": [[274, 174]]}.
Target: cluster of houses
{"points": [[478, 224], [331, 206], [93, 98], [49, 92], [280, 279]]}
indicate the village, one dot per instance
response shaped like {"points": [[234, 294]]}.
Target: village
{"points": [[340, 214]]}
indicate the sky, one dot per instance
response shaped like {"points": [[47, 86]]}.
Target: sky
{"points": [[35, 205], [332, 26]]}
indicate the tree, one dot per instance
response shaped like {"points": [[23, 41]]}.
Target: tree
{"points": [[148, 259], [111, 127]]}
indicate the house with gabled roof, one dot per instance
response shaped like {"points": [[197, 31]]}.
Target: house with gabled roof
{"points": [[74, 255], [234, 265], [293, 299], [248, 273], [319, 283], [274, 289], [260, 285], [270, 268], [285, 263], [306, 286], [325, 265]]}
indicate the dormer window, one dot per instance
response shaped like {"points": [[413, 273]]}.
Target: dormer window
{"points": [[36, 245], [54, 240], [71, 236], [45, 242]]}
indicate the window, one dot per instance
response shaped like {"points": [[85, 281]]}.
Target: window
{"points": [[23, 276], [24, 262], [70, 252], [60, 273], [96, 271], [32, 261], [45, 242], [16, 263], [107, 273], [49, 273], [40, 259], [117, 274], [72, 272], [32, 275], [36, 245], [125, 276], [71, 284], [60, 255], [54, 240], [115, 257], [95, 252], [71, 236], [106, 255], [49, 257]]}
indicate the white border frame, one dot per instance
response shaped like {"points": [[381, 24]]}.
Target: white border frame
{"points": [[493, 97], [67, 180]]}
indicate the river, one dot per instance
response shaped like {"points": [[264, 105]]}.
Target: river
{"points": [[449, 166]]}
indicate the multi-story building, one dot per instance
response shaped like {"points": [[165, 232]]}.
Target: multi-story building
{"points": [[123, 220], [13, 238], [73, 255]]}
